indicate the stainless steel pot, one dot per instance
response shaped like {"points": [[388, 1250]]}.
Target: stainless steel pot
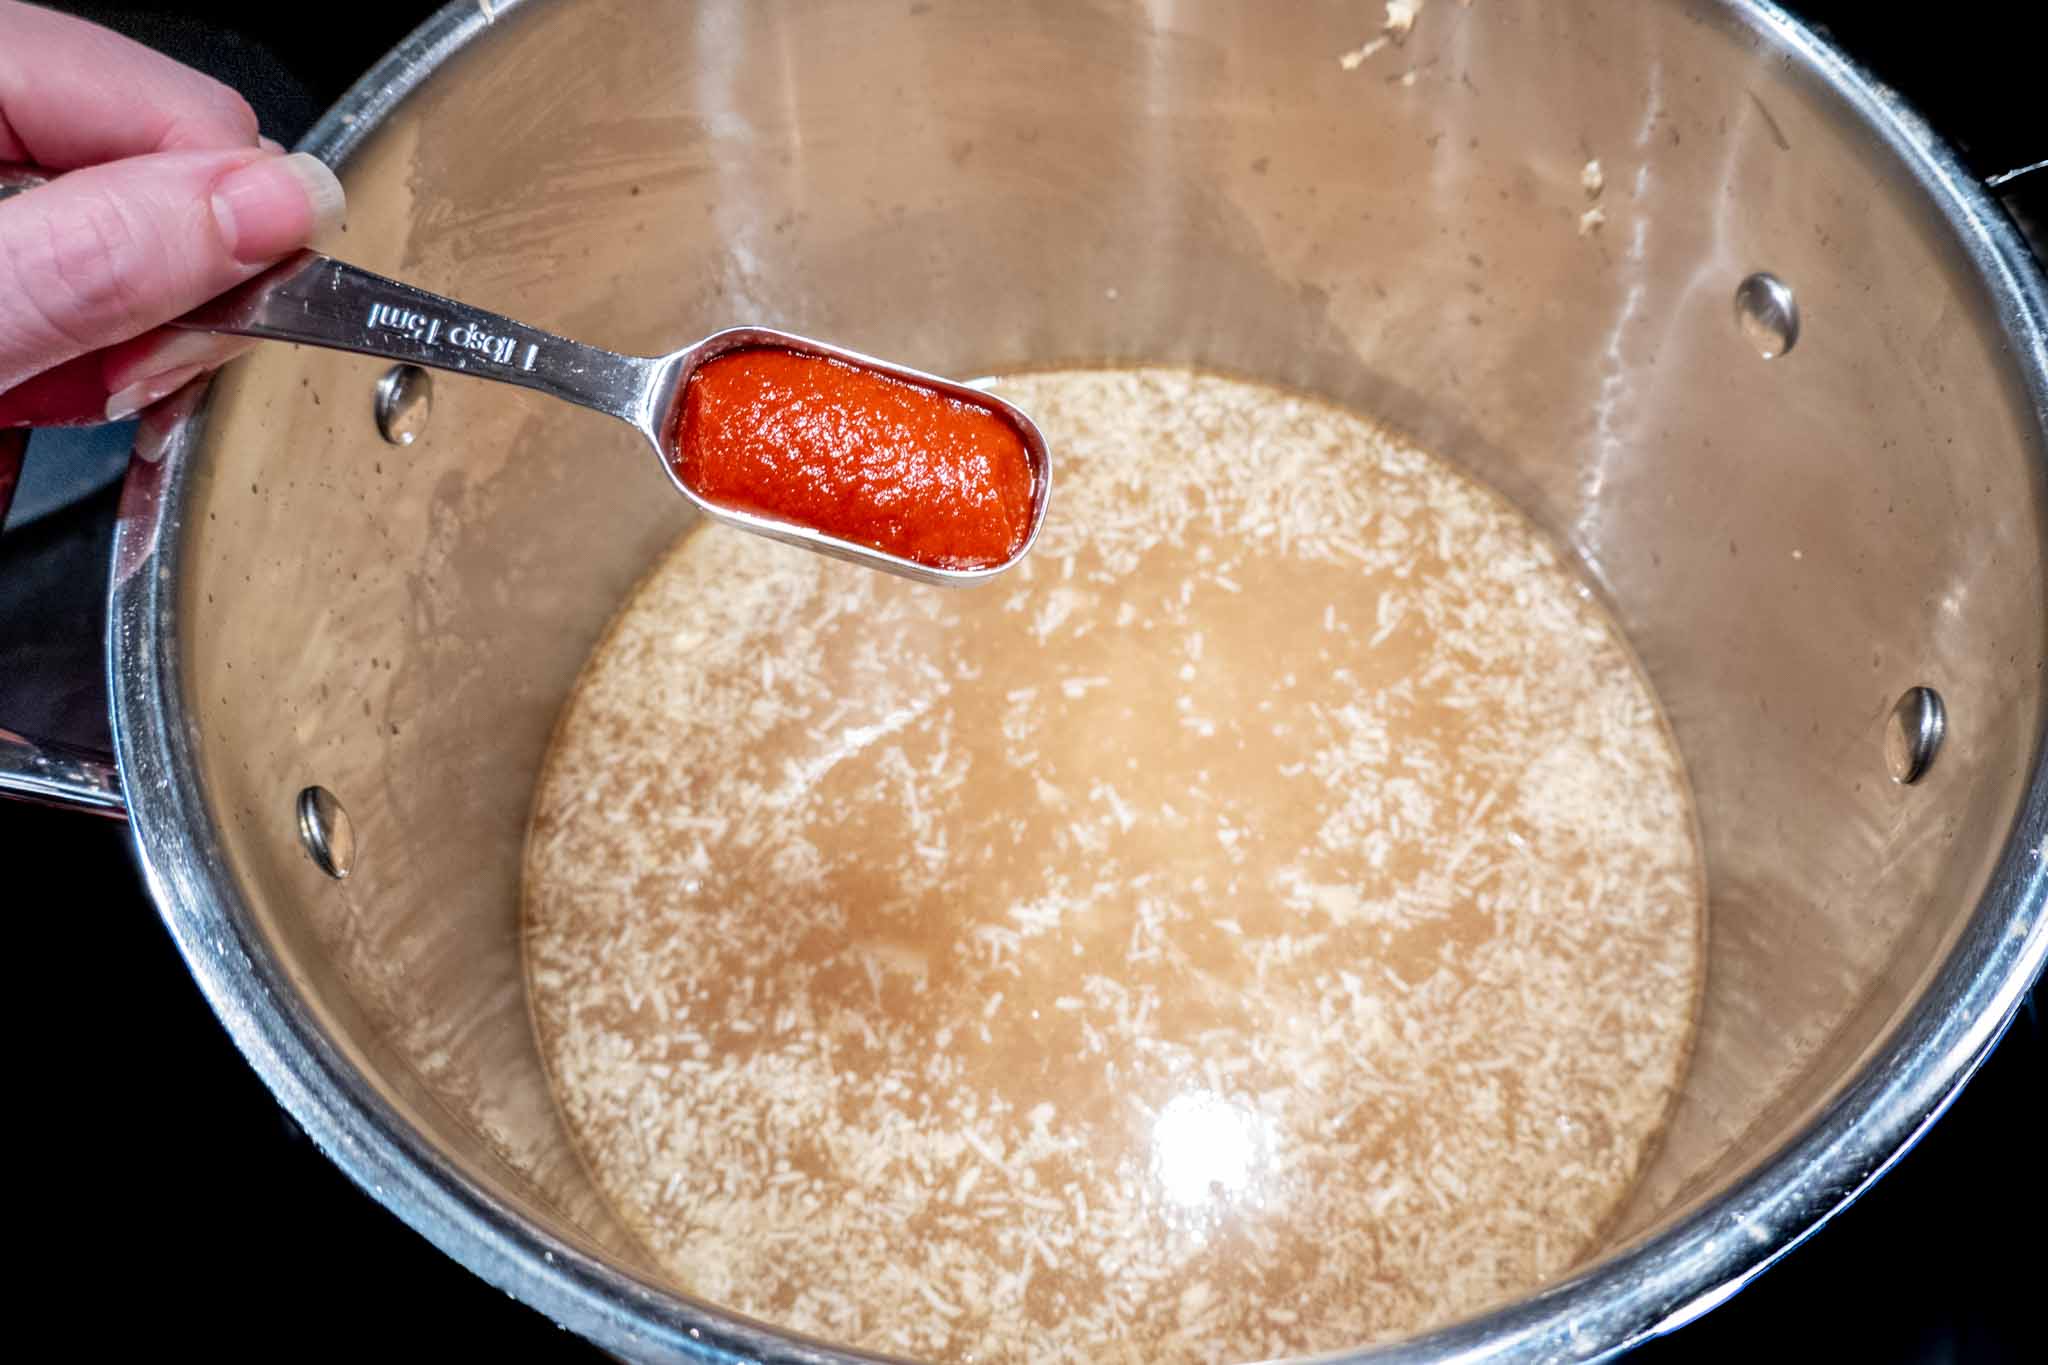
{"points": [[1793, 544]]}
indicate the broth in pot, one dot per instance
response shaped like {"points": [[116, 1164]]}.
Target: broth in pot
{"points": [[1266, 920]]}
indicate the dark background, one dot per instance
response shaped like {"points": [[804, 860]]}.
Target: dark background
{"points": [[157, 1173]]}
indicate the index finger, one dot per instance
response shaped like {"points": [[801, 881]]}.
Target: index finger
{"points": [[75, 94]]}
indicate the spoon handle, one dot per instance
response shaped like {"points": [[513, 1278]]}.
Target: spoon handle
{"points": [[318, 301]]}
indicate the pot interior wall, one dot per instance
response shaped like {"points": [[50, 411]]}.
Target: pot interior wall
{"points": [[972, 187]]}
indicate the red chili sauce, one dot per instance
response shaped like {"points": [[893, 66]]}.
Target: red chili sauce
{"points": [[855, 454]]}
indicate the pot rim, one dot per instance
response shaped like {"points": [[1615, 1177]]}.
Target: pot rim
{"points": [[1647, 1288]]}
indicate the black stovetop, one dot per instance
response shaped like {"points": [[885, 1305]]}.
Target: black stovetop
{"points": [[159, 1174]]}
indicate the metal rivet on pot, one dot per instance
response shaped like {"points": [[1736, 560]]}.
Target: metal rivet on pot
{"points": [[405, 397], [326, 832], [1767, 314], [1913, 735]]}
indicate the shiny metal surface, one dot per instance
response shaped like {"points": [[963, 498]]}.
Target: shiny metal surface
{"points": [[318, 301], [1911, 741], [58, 775], [404, 401], [2004, 178], [315, 300], [17, 179], [1788, 546], [1768, 314], [325, 830]]}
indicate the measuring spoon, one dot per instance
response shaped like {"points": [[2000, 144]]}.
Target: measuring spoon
{"points": [[316, 300]]}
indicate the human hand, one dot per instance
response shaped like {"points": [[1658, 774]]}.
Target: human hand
{"points": [[167, 197]]}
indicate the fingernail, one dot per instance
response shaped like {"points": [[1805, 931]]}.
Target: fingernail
{"points": [[276, 205], [178, 351], [152, 437], [270, 144], [142, 393], [153, 433]]}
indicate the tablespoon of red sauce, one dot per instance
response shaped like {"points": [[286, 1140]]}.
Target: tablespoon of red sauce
{"points": [[862, 455], [775, 433]]}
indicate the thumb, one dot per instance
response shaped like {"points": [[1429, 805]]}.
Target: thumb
{"points": [[104, 254]]}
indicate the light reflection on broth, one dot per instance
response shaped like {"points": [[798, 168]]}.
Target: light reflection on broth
{"points": [[1266, 921]]}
